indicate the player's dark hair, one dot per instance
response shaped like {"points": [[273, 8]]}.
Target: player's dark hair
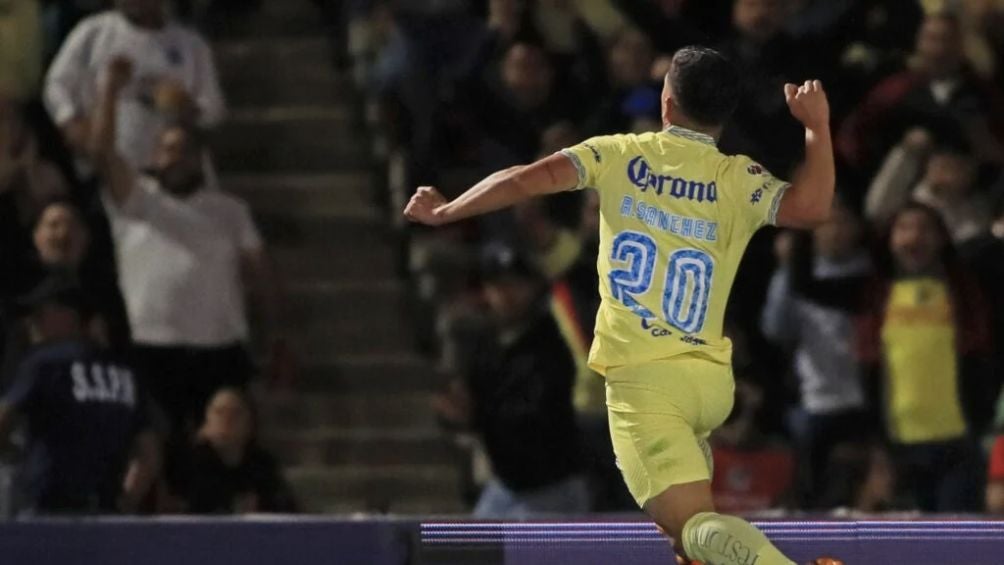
{"points": [[704, 85]]}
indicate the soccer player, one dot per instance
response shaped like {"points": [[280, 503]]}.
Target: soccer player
{"points": [[676, 216]]}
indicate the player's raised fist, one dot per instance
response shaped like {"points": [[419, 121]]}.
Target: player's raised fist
{"points": [[808, 103], [424, 206]]}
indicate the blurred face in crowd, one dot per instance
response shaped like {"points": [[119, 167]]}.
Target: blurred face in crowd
{"points": [[178, 161], [838, 237], [145, 13], [510, 297], [527, 74], [228, 420], [758, 20], [915, 242], [950, 175], [631, 58], [939, 46], [60, 236]]}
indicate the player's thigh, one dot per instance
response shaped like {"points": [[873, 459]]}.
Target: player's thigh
{"points": [[655, 444]]}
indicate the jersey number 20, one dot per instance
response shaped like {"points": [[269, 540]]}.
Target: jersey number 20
{"points": [[688, 280]]}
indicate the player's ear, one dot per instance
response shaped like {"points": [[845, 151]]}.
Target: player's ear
{"points": [[667, 107]]}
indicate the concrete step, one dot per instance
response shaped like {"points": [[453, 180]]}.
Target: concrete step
{"points": [[350, 230], [278, 19], [321, 446], [259, 71], [321, 338], [348, 192], [308, 264], [348, 319], [377, 487], [357, 246], [304, 139], [373, 374], [284, 411]]}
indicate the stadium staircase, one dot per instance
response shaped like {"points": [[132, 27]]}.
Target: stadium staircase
{"points": [[355, 432]]}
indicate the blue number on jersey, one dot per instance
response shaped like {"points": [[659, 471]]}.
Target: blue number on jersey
{"points": [[639, 251], [688, 280], [688, 288]]}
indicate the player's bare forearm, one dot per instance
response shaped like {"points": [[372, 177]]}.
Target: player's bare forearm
{"points": [[807, 201], [814, 184], [497, 191]]}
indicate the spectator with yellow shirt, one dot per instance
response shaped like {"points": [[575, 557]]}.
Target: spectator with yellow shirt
{"points": [[923, 334]]}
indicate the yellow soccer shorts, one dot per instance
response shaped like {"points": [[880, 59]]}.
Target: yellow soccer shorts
{"points": [[661, 414]]}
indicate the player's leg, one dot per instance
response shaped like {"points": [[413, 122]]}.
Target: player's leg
{"points": [[654, 411], [686, 513]]}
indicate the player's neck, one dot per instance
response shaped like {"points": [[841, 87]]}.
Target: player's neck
{"points": [[680, 122]]}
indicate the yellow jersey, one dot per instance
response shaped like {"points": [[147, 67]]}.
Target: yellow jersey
{"points": [[918, 345], [675, 218]]}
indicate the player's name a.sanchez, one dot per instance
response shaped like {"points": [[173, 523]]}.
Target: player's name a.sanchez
{"points": [[683, 226]]}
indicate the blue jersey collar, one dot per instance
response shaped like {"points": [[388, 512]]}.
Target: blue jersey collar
{"points": [[691, 135]]}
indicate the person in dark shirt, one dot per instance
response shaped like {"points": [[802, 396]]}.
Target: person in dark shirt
{"points": [[91, 447], [226, 471], [521, 390]]}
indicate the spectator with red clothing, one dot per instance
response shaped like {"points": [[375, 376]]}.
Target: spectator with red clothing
{"points": [[924, 342], [937, 92], [924, 338]]}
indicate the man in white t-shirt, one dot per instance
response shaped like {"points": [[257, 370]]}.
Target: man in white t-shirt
{"points": [[174, 78], [183, 253]]}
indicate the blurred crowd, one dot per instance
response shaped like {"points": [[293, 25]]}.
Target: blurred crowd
{"points": [[867, 352], [126, 347]]}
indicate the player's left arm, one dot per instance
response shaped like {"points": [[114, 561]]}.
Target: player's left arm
{"points": [[555, 173]]}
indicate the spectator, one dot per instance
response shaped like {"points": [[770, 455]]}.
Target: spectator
{"points": [[186, 309], [90, 445], [26, 178], [984, 256], [20, 49], [924, 337], [26, 181], [947, 185], [665, 23], [767, 57], [521, 393], [62, 242], [227, 472], [174, 78], [61, 248], [832, 407], [936, 92], [751, 472], [516, 106], [632, 95]]}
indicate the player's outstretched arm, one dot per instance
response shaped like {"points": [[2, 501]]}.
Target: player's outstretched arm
{"points": [[551, 174], [807, 201]]}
